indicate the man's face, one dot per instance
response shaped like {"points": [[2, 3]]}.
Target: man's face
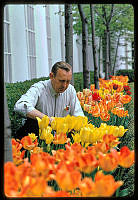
{"points": [[61, 81]]}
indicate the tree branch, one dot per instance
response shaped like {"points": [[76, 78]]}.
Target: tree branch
{"points": [[111, 14], [100, 16]]}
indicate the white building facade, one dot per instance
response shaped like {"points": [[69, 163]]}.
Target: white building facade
{"points": [[34, 39]]}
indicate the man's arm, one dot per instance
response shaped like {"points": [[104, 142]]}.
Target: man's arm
{"points": [[27, 102], [35, 113]]}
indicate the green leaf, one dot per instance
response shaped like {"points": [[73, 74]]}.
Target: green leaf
{"points": [[122, 193]]}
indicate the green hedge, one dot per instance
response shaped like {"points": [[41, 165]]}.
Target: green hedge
{"points": [[15, 90], [78, 80], [125, 72]]}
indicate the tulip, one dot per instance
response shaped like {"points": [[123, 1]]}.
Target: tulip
{"points": [[27, 143], [60, 138], [105, 185], [66, 177], [32, 136], [126, 157], [43, 123], [125, 99], [109, 162]]}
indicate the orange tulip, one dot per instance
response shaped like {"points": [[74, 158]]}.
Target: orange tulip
{"points": [[27, 143], [16, 145], [36, 150], [43, 163], [87, 162], [101, 147], [11, 184], [95, 111], [105, 185], [87, 187], [16, 153], [120, 112], [110, 140], [91, 150], [125, 99], [77, 148], [80, 95], [58, 155], [126, 157], [60, 138], [109, 161], [92, 87], [34, 187], [105, 116], [66, 177]]}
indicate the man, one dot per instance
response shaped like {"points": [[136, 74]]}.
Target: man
{"points": [[55, 97]]}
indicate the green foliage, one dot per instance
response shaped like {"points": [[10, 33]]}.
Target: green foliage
{"points": [[14, 92], [122, 20], [78, 80], [125, 72]]}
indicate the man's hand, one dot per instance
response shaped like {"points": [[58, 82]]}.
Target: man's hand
{"points": [[50, 120]]}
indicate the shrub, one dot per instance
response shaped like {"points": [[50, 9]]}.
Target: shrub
{"points": [[125, 72], [78, 80], [14, 92]]}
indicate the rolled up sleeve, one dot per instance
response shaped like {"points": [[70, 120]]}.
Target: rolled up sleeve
{"points": [[28, 101]]}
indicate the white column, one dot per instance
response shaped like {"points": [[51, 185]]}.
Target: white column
{"points": [[55, 34], [42, 67], [18, 43]]}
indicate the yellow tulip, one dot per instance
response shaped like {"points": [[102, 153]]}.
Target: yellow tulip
{"points": [[121, 131], [84, 134], [61, 126], [43, 123], [76, 138], [45, 133], [54, 123], [32, 136]]}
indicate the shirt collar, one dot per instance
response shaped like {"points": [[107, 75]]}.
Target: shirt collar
{"points": [[52, 91]]}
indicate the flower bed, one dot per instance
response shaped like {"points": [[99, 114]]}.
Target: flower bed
{"points": [[74, 157]]}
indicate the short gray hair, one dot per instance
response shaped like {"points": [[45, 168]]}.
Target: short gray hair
{"points": [[61, 65]]}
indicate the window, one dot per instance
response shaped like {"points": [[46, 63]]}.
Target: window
{"points": [[30, 36], [7, 47]]}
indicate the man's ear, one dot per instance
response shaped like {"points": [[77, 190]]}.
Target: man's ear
{"points": [[51, 75]]}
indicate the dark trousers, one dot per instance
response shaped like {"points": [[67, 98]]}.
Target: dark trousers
{"points": [[30, 126]]}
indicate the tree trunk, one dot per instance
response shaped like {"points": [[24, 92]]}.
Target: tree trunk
{"points": [[107, 55], [96, 75], [99, 57], [104, 51], [110, 64], [86, 70], [69, 37]]}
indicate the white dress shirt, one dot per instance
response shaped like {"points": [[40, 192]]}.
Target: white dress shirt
{"points": [[42, 96]]}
